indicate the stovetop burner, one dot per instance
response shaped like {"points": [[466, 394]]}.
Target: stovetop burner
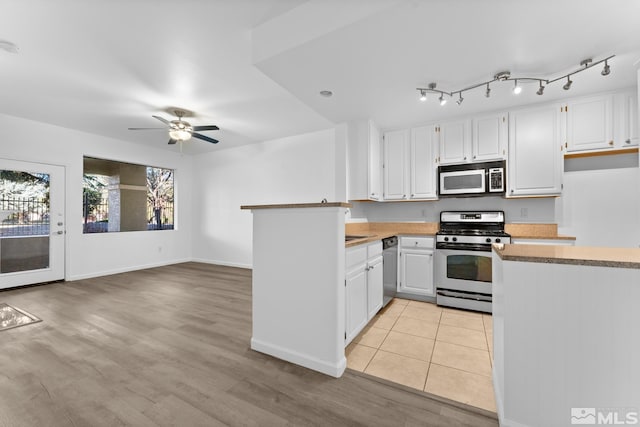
{"points": [[479, 229]]}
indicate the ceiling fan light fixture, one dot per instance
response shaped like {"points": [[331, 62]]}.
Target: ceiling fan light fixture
{"points": [[180, 134]]}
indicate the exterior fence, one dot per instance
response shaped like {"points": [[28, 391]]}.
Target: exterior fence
{"points": [[24, 216], [96, 216]]}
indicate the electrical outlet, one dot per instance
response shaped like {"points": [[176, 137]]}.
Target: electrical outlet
{"points": [[524, 212]]}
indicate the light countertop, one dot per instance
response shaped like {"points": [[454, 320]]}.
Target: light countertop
{"points": [[575, 255]]}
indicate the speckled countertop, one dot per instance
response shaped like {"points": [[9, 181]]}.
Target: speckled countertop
{"points": [[575, 255]]}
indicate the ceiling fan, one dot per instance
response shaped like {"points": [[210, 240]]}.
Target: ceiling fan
{"points": [[180, 130]]}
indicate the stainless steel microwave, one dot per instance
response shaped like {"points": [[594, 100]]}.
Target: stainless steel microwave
{"points": [[472, 179]]}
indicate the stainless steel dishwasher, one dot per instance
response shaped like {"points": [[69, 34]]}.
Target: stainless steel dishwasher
{"points": [[389, 269]]}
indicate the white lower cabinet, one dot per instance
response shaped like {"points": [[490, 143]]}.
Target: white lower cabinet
{"points": [[356, 303], [416, 266], [363, 287]]}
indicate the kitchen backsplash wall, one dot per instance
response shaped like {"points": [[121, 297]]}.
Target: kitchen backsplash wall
{"points": [[516, 210]]}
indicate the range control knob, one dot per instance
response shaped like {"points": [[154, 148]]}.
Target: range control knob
{"points": [[497, 240], [488, 239], [455, 239], [446, 239]]}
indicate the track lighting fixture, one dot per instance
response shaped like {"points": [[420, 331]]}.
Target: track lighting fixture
{"points": [[517, 89], [506, 75]]}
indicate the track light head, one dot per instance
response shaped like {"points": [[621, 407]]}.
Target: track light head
{"points": [[459, 101], [540, 90], [442, 100], [567, 85], [488, 91], [517, 89], [606, 70], [423, 95]]}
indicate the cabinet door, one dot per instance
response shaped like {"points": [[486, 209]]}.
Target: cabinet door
{"points": [[590, 123], [423, 162], [395, 153], [535, 152], [375, 165], [630, 125], [454, 140], [355, 303], [416, 272], [490, 135], [374, 287]]}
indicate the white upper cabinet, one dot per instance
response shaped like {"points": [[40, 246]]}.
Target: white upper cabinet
{"points": [[535, 152], [394, 173], [455, 142], [375, 163], [630, 120], [589, 123], [364, 161], [423, 163], [490, 137]]}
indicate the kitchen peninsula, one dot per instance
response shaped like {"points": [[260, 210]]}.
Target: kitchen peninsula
{"points": [[298, 284], [565, 323]]}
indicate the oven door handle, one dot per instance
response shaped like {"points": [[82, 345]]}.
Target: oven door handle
{"points": [[463, 247]]}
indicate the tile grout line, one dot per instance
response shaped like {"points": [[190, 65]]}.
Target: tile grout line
{"points": [[424, 388]]}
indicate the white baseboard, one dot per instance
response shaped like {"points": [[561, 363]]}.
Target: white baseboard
{"points": [[124, 269], [225, 263], [335, 370]]}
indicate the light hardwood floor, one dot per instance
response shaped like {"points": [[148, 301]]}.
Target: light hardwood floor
{"points": [[169, 346]]}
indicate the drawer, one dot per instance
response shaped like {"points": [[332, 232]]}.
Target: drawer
{"points": [[356, 255], [417, 242], [374, 249]]}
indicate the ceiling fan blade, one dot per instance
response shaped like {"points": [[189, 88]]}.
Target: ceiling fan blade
{"points": [[165, 121], [206, 127], [148, 129], [172, 141], [204, 138]]}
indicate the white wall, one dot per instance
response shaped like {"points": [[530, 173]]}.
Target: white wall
{"points": [[90, 255], [296, 169], [601, 207]]}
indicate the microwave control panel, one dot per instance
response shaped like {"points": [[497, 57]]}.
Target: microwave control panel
{"points": [[496, 180]]}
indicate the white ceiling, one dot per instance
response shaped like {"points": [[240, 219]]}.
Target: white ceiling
{"points": [[255, 67]]}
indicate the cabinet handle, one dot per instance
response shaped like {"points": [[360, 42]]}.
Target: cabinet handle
{"points": [[465, 157], [404, 196], [610, 142], [512, 190], [412, 195], [628, 141], [474, 157]]}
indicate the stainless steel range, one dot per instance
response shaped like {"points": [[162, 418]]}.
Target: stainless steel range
{"points": [[463, 258]]}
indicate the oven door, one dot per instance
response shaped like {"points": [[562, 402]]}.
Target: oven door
{"points": [[463, 270], [468, 181]]}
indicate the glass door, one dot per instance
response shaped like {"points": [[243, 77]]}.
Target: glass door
{"points": [[32, 224]]}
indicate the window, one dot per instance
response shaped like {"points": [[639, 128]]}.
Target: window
{"points": [[120, 196]]}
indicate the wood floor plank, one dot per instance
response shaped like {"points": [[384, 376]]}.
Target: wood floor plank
{"points": [[169, 346]]}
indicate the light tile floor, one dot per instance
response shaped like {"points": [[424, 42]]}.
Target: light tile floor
{"points": [[443, 351]]}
